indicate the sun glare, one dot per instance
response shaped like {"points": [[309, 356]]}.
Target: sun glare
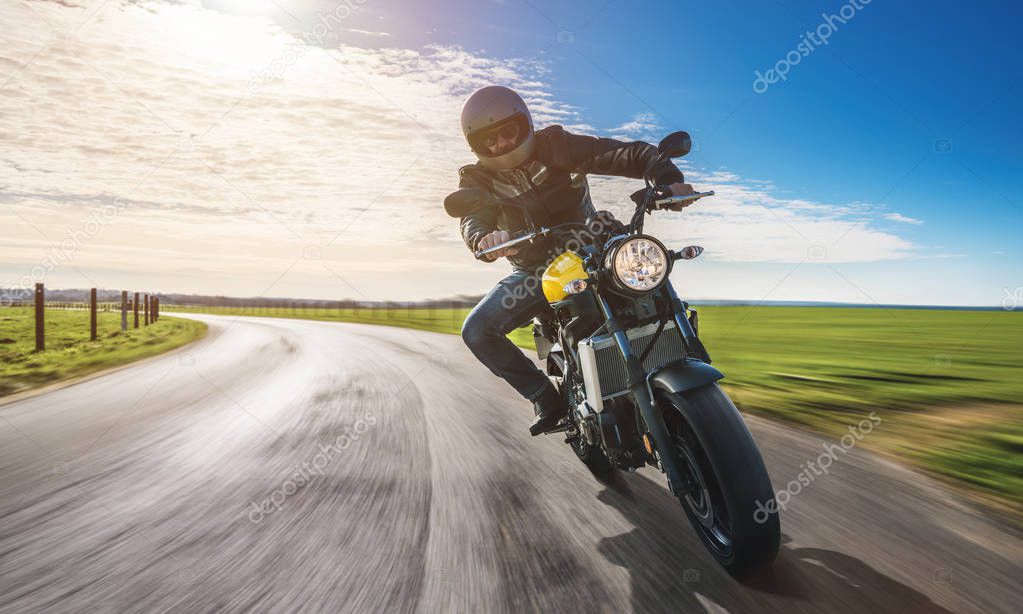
{"points": [[231, 44]]}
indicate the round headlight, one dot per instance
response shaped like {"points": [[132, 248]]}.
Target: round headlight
{"points": [[640, 263]]}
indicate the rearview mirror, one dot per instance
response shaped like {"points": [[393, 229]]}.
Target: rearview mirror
{"points": [[675, 145], [689, 252], [461, 203]]}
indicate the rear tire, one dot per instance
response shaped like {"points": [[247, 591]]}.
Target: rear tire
{"points": [[593, 457], [729, 479]]}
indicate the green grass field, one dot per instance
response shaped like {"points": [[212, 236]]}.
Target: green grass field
{"points": [[70, 353], [947, 384]]}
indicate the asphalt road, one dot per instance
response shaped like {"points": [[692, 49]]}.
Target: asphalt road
{"points": [[287, 465]]}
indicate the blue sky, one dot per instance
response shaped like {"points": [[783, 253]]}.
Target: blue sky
{"points": [[847, 153], [856, 120]]}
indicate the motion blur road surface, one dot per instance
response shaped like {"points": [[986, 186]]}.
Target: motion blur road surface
{"points": [[144, 490]]}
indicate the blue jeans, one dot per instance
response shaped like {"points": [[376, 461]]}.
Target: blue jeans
{"points": [[512, 303]]}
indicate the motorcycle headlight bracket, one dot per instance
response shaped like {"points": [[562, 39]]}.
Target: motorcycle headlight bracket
{"points": [[628, 281]]}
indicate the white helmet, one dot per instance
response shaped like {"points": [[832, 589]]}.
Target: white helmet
{"points": [[495, 110]]}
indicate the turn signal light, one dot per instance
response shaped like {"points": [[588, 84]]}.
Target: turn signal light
{"points": [[575, 286], [649, 445]]}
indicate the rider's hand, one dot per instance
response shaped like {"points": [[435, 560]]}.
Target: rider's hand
{"points": [[681, 189], [496, 238]]}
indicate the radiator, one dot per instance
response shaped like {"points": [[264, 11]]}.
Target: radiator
{"points": [[601, 355]]}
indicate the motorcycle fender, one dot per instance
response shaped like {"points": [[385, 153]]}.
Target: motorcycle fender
{"points": [[683, 375]]}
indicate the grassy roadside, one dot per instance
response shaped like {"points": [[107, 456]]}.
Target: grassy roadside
{"points": [[69, 353], [946, 384]]}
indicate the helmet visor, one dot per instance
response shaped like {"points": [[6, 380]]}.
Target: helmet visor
{"points": [[500, 138]]}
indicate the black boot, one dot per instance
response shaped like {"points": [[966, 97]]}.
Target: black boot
{"points": [[549, 408]]}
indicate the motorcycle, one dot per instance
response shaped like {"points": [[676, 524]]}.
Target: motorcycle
{"points": [[624, 351]]}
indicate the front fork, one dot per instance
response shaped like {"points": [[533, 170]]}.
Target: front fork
{"points": [[644, 400]]}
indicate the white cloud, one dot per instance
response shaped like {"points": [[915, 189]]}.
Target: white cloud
{"points": [[368, 32], [745, 222], [642, 126], [898, 217], [155, 107]]}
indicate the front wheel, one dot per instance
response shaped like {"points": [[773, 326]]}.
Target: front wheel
{"points": [[726, 478]]}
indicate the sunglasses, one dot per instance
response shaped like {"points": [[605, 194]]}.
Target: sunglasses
{"points": [[508, 133], [486, 140]]}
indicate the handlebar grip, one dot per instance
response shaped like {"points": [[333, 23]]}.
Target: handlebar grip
{"points": [[516, 238]]}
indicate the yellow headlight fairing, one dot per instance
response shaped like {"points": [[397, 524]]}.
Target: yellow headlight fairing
{"points": [[563, 269]]}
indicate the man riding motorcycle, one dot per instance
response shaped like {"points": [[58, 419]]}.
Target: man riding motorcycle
{"points": [[544, 173]]}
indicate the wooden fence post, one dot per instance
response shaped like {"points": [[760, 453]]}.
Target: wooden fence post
{"points": [[145, 307], [124, 311], [40, 302], [156, 308], [92, 314], [135, 309]]}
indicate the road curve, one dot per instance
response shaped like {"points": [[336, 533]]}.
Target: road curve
{"points": [[288, 465]]}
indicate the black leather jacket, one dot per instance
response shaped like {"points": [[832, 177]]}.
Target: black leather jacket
{"points": [[553, 187]]}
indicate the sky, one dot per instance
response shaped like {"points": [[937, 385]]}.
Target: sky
{"points": [[861, 152]]}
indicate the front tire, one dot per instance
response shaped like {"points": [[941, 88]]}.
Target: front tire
{"points": [[727, 477]]}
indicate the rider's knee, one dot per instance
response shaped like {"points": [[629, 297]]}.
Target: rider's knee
{"points": [[473, 332]]}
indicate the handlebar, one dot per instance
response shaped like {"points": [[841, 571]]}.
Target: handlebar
{"points": [[661, 203], [525, 238], [677, 200]]}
